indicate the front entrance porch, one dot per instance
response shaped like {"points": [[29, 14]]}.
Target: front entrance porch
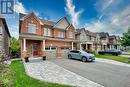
{"points": [[86, 46], [32, 48], [49, 48]]}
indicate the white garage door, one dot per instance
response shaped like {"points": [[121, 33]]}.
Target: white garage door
{"points": [[64, 52], [50, 52]]}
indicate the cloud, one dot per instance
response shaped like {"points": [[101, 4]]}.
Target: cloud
{"points": [[114, 21], [19, 7], [70, 9]]}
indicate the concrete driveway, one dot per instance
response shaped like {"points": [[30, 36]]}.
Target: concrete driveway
{"points": [[108, 75]]}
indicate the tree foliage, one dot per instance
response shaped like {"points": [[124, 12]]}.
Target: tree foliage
{"points": [[15, 45], [125, 40]]}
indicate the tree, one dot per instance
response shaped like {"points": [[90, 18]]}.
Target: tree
{"points": [[15, 45], [125, 40]]}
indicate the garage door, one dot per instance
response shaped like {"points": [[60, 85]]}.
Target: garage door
{"points": [[64, 52], [50, 52]]}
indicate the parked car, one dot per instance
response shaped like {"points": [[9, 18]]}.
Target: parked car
{"points": [[111, 52], [81, 55]]}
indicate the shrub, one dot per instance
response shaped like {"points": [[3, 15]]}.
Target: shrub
{"points": [[4, 80]]}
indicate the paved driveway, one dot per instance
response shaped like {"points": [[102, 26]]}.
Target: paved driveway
{"points": [[105, 74]]}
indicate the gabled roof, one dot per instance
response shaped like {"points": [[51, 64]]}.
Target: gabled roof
{"points": [[86, 31], [5, 25], [103, 34], [112, 36], [24, 16], [78, 31], [60, 21], [47, 22], [70, 26]]}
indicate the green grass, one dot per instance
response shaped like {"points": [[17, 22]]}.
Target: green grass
{"points": [[21, 79], [126, 54], [116, 58]]}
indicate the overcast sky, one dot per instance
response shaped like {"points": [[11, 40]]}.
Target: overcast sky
{"points": [[111, 16]]}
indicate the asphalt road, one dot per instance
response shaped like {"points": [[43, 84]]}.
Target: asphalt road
{"points": [[105, 74]]}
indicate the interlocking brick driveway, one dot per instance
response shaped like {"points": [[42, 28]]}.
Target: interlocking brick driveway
{"points": [[49, 71]]}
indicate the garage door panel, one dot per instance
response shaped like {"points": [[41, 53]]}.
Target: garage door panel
{"points": [[51, 54], [64, 52]]}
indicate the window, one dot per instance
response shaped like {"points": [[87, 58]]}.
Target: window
{"points": [[53, 48], [0, 29], [31, 28], [47, 32], [60, 34], [64, 48], [74, 51], [47, 48], [50, 48], [70, 35]]}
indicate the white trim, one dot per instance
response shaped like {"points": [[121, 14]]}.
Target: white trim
{"points": [[43, 45], [80, 46], [24, 44], [72, 46]]}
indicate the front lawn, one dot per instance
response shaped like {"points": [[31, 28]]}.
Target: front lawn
{"points": [[21, 79], [116, 58]]}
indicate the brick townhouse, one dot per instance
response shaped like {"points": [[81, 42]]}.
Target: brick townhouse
{"points": [[42, 37]]}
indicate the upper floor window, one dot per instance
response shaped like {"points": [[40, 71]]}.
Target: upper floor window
{"points": [[0, 29], [70, 35], [31, 28], [60, 34], [47, 32]]}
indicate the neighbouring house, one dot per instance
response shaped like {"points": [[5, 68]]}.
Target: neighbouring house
{"points": [[113, 42], [4, 36], [45, 38], [87, 39], [104, 38]]}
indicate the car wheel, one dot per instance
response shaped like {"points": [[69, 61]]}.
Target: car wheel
{"points": [[69, 56], [84, 59]]}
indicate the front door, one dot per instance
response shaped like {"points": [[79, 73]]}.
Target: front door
{"points": [[35, 49], [31, 49]]}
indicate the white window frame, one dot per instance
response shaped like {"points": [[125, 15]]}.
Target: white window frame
{"points": [[47, 32], [60, 34], [30, 25], [70, 35]]}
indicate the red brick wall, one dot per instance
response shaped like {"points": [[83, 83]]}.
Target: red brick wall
{"points": [[58, 43], [31, 19], [55, 32], [70, 29]]}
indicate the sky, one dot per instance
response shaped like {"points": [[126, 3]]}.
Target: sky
{"points": [[112, 16]]}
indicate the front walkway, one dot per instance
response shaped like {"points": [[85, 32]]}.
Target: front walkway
{"points": [[48, 71], [112, 62]]}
